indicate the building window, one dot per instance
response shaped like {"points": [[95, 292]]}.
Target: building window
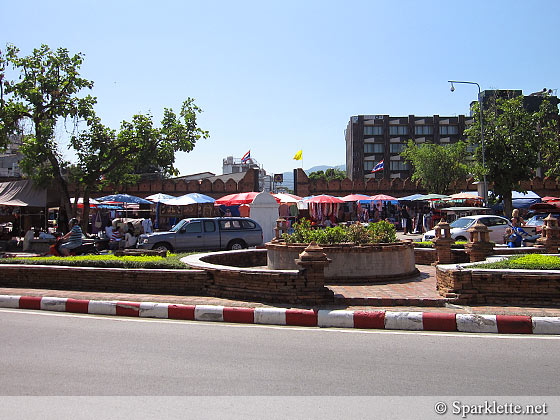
{"points": [[398, 165], [423, 130], [397, 147], [447, 130], [373, 148], [398, 130], [373, 130]]}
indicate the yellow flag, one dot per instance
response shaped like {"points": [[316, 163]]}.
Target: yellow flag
{"points": [[298, 155]]}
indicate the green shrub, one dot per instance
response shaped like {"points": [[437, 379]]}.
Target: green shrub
{"points": [[526, 262], [105, 261], [423, 244], [380, 232]]}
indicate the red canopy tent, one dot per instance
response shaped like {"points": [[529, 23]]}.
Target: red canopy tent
{"points": [[356, 197], [382, 197], [236, 199], [324, 199]]}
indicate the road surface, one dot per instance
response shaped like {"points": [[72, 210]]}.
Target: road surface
{"points": [[44, 353]]}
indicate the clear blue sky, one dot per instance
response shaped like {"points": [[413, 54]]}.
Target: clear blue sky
{"points": [[276, 77]]}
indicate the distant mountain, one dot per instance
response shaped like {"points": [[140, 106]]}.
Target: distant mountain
{"points": [[289, 176]]}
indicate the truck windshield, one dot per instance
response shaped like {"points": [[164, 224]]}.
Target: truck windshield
{"points": [[178, 226]]}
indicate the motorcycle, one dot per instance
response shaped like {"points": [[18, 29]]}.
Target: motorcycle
{"points": [[84, 249], [517, 237]]}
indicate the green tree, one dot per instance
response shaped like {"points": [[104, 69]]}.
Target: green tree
{"points": [[328, 175], [105, 157], [511, 146], [43, 92], [548, 132], [437, 166]]}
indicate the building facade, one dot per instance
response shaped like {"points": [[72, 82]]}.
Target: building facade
{"points": [[371, 139], [9, 159], [233, 165]]}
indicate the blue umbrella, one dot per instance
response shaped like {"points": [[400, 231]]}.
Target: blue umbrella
{"points": [[410, 197], [191, 198], [123, 198], [159, 197]]}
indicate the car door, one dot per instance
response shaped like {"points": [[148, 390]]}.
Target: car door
{"points": [[190, 236], [497, 227], [211, 235]]}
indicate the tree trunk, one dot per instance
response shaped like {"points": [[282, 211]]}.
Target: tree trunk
{"points": [[508, 204]]}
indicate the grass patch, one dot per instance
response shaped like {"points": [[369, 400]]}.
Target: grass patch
{"points": [[526, 262], [105, 261], [430, 244]]}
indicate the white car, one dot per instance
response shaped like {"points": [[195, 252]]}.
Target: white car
{"points": [[496, 224]]}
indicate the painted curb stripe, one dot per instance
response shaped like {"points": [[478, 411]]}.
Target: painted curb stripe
{"points": [[53, 304], [335, 318], [439, 321], [241, 315], [546, 325], [403, 321], [270, 316], [30, 302], [185, 312], [301, 317], [514, 324], [476, 323], [428, 321], [366, 319], [153, 310], [128, 309], [209, 313], [77, 306], [102, 307], [7, 301]]}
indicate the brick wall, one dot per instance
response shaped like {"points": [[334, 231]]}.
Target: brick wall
{"points": [[427, 256], [181, 282], [228, 282], [499, 287]]}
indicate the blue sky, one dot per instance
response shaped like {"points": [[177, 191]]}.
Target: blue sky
{"points": [[276, 77]]}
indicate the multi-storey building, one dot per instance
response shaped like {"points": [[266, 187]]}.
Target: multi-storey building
{"points": [[9, 159], [371, 139], [233, 165]]}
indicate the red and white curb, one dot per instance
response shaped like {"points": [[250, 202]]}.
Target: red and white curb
{"points": [[419, 321]]}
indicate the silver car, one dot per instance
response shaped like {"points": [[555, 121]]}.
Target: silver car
{"points": [[496, 224]]}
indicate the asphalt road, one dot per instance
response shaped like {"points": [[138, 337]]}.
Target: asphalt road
{"points": [[63, 354]]}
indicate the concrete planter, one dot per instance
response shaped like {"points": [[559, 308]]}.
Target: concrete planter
{"points": [[350, 263]]}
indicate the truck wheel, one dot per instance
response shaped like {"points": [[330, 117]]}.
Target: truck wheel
{"points": [[236, 245], [162, 246], [461, 239]]}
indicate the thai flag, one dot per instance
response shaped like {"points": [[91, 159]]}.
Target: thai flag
{"points": [[378, 167], [246, 157]]}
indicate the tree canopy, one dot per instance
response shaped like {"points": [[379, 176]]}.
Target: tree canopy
{"points": [[45, 90], [512, 146], [437, 166], [328, 175]]}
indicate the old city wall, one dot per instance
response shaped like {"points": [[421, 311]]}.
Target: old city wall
{"points": [[304, 186]]}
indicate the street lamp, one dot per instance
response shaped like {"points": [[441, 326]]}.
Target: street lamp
{"points": [[485, 193]]}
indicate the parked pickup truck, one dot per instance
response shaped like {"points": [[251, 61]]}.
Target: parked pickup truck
{"points": [[212, 233]]}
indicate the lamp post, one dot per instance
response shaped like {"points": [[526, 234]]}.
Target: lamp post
{"points": [[485, 192]]}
